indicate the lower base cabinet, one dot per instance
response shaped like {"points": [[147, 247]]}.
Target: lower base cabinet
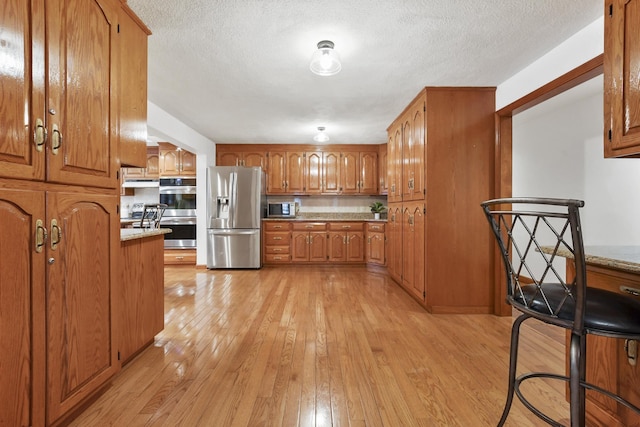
{"points": [[57, 270], [375, 244], [140, 294], [313, 242], [607, 363]]}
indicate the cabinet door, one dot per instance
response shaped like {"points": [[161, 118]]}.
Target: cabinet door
{"points": [[169, 162], [395, 163], [375, 248], [331, 172], [416, 157], [276, 178], [383, 170], [407, 167], [82, 252], [82, 119], [313, 173], [300, 246], [368, 173], [132, 87], [337, 250], [350, 172], [295, 173], [187, 163], [22, 308], [355, 246], [621, 82], [22, 154], [394, 263], [317, 246], [228, 159], [153, 165], [253, 159]]}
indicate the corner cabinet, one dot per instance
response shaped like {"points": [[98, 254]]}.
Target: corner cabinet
{"points": [[622, 78], [440, 151]]}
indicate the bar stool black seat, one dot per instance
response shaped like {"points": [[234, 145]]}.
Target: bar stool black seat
{"points": [[531, 234]]}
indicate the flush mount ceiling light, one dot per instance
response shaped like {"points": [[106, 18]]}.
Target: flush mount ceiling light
{"points": [[325, 61], [321, 136]]}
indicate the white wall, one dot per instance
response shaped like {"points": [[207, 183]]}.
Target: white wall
{"points": [[165, 127], [558, 152], [578, 49]]}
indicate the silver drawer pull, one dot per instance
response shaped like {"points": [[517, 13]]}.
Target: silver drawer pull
{"points": [[346, 226], [277, 238], [632, 291]]}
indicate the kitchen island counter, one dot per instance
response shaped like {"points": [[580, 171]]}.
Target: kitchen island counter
{"points": [[140, 233], [622, 258]]}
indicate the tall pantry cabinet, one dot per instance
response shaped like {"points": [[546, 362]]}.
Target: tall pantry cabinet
{"points": [[59, 200], [440, 168]]}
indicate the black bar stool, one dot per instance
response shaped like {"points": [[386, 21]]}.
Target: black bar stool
{"points": [[536, 286]]}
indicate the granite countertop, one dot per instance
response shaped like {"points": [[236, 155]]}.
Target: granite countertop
{"points": [[330, 216], [140, 233], [624, 258]]}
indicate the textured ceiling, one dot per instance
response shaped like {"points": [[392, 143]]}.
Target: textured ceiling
{"points": [[237, 71]]}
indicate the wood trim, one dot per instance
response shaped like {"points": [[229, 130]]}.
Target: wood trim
{"points": [[504, 147]]}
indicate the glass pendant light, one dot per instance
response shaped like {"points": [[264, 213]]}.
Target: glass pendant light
{"points": [[325, 61]]}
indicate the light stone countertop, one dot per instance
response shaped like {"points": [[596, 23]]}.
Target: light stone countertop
{"points": [[331, 216], [623, 258], [141, 233]]}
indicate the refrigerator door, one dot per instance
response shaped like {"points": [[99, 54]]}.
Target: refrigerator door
{"points": [[235, 197], [233, 248]]}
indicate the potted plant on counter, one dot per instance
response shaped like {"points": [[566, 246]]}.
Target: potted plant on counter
{"points": [[377, 208]]}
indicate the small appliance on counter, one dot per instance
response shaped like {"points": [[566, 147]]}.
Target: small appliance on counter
{"points": [[235, 207], [282, 209]]}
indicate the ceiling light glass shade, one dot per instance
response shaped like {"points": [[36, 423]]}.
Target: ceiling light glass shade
{"points": [[325, 61], [321, 136]]}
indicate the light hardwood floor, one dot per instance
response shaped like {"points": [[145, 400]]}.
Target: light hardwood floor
{"points": [[321, 346]]}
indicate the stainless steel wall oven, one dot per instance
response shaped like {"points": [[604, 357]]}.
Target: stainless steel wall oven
{"points": [[179, 194]]}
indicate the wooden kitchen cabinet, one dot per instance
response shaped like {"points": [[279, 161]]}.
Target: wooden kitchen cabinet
{"points": [[313, 176], [383, 179], [227, 155], [413, 249], [133, 90], [331, 167], [22, 308], [151, 171], [82, 253], [394, 233], [175, 161], [308, 242], [77, 32], [59, 180], [441, 157], [376, 243], [607, 363], [359, 172], [276, 240], [140, 294], [346, 242], [395, 162], [286, 172], [621, 82]]}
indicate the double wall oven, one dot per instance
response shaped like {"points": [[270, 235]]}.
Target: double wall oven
{"points": [[179, 194]]}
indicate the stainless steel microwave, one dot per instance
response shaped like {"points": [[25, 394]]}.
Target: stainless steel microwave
{"points": [[282, 209]]}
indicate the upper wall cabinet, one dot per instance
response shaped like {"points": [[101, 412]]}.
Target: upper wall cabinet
{"points": [[133, 90], [622, 78], [175, 161], [59, 113]]}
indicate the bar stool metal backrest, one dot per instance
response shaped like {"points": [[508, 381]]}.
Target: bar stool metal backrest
{"points": [[535, 236]]}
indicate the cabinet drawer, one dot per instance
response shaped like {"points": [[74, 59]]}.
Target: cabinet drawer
{"points": [[276, 250], [276, 226], [179, 256], [277, 238], [346, 226], [276, 258], [309, 226], [375, 227]]}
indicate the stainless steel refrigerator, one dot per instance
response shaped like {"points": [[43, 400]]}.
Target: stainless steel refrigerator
{"points": [[236, 204]]}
